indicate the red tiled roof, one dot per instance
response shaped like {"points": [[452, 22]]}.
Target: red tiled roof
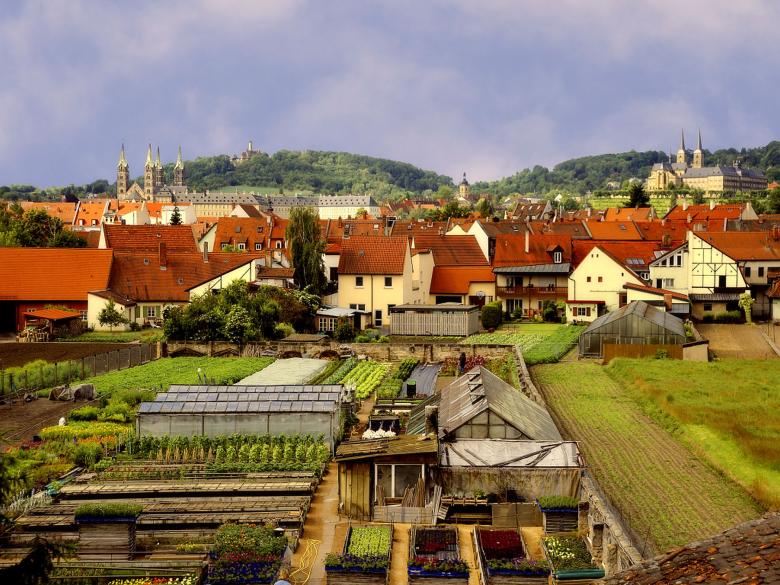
{"points": [[656, 291], [138, 275], [275, 272], [373, 255], [494, 228], [456, 280], [243, 230], [451, 250], [510, 249], [657, 230], [628, 213], [619, 251], [613, 230], [703, 212], [89, 211], [744, 245], [64, 211], [177, 238], [585, 302], [52, 274], [575, 229]]}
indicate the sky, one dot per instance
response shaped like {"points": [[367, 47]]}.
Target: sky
{"points": [[486, 87]]}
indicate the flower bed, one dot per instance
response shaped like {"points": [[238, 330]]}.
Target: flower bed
{"points": [[434, 553], [155, 581], [569, 558], [557, 503], [107, 512], [503, 552], [366, 551], [245, 554]]}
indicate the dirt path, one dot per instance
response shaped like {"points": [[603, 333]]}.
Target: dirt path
{"points": [[737, 341], [532, 535], [21, 420], [466, 547], [398, 573]]}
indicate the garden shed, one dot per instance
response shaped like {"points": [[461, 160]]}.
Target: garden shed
{"points": [[636, 330], [442, 319], [255, 410], [510, 469]]}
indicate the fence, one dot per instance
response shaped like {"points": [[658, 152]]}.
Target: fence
{"points": [[40, 376]]}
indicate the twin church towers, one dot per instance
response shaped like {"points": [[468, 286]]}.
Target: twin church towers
{"points": [[154, 178]]}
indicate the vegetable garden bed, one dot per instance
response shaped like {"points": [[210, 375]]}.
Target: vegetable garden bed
{"points": [[570, 559], [366, 556], [503, 554], [365, 378], [245, 554], [434, 555]]}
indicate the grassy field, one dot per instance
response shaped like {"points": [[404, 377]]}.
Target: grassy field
{"points": [[183, 370], [539, 342], [661, 206], [727, 412], [666, 494], [145, 336]]}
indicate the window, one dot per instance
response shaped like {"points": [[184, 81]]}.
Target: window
{"points": [[279, 245], [708, 306], [378, 317], [388, 282], [668, 283], [83, 315], [258, 246], [242, 246], [747, 271], [361, 307], [557, 257], [582, 311], [151, 312], [94, 222], [225, 246], [358, 282], [395, 479], [588, 279], [334, 273], [760, 271], [601, 279], [722, 281]]}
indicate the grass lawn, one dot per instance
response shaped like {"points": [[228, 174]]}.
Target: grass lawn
{"points": [[161, 373], [666, 493], [727, 412], [144, 335]]}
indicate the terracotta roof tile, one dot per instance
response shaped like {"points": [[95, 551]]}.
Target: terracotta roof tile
{"points": [[510, 249], [52, 274], [52, 314], [64, 211], [628, 213], [703, 212], [763, 245], [613, 230], [451, 250], [177, 238], [373, 255], [626, 253], [138, 275], [456, 280], [656, 291], [249, 231]]}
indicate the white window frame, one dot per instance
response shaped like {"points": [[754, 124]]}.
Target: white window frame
{"points": [[241, 246], [258, 246], [151, 311], [557, 257]]}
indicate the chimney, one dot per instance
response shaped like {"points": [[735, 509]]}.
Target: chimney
{"points": [[690, 218], [685, 204], [712, 204], [668, 301], [431, 422], [205, 251], [527, 240], [163, 256]]}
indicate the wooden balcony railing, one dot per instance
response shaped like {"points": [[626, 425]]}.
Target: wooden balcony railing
{"points": [[533, 291]]}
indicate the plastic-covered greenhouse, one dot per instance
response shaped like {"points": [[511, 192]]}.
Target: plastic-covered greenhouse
{"points": [[637, 323]]}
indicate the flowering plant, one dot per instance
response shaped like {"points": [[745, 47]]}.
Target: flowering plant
{"points": [[567, 553], [433, 564]]}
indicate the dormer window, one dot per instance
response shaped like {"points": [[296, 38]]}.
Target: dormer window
{"points": [[557, 257]]}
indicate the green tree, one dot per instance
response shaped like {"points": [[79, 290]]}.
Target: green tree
{"points": [[697, 196], [176, 216], [485, 207], [746, 304], [238, 325], [345, 330], [637, 196], [111, 316], [306, 249]]}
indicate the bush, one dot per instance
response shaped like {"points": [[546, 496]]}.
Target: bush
{"points": [[729, 317], [344, 331], [87, 454], [84, 413], [491, 316], [134, 326], [117, 411], [362, 339], [283, 330]]}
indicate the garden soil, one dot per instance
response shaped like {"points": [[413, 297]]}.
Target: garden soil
{"points": [[17, 354]]}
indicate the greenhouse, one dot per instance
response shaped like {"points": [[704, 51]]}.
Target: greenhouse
{"points": [[637, 324], [253, 410]]}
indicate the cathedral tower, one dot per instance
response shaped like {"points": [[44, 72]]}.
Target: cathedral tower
{"points": [[159, 179], [149, 175], [464, 189], [178, 171], [698, 154], [681, 158], [122, 174]]}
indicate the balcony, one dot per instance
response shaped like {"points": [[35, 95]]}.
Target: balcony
{"points": [[532, 291]]}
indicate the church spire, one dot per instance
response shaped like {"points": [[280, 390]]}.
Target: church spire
{"points": [[158, 162], [682, 139], [179, 163], [681, 155], [149, 156], [178, 171], [698, 154], [122, 160], [698, 145]]}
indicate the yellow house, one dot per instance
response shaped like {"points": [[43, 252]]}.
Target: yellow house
{"points": [[375, 273], [596, 286]]}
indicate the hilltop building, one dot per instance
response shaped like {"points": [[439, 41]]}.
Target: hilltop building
{"points": [[154, 187], [716, 179]]}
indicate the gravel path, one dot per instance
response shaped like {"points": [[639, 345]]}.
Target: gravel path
{"points": [[289, 371]]}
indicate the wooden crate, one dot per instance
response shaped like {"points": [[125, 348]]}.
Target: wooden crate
{"points": [[555, 522], [106, 540]]}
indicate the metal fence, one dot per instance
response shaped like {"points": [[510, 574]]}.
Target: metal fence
{"points": [[41, 376]]}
